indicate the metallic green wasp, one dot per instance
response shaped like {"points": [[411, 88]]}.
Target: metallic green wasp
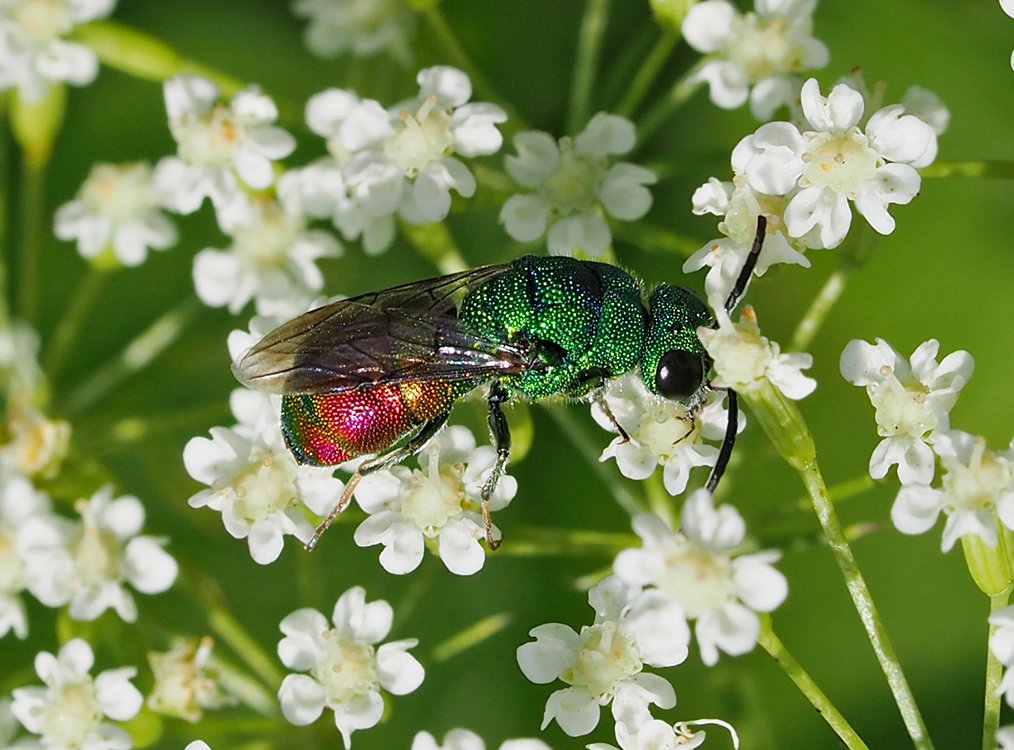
{"points": [[379, 373]]}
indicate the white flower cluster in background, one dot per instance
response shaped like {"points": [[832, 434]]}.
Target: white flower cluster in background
{"points": [[117, 211], [361, 28], [464, 739], [756, 55], [913, 399], [804, 176], [397, 162], [437, 504], [71, 711], [34, 50], [574, 181], [345, 670]]}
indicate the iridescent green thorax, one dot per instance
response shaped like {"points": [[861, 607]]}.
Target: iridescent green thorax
{"points": [[675, 315], [585, 320]]}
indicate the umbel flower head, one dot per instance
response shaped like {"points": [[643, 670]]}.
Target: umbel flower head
{"points": [[836, 161], [346, 670], [912, 401], [436, 504], [69, 712], [604, 663], [697, 568], [574, 181]]}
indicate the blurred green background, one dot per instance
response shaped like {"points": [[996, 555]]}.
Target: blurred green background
{"points": [[945, 273]]}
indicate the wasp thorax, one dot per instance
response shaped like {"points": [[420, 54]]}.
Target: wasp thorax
{"points": [[673, 363]]}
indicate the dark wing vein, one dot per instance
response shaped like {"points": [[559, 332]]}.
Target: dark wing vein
{"points": [[406, 333]]}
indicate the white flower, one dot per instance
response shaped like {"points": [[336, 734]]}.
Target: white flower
{"points": [[659, 735], [361, 28], [398, 161], [116, 212], [574, 183], [739, 205], [912, 402], [184, 685], [37, 445], [1005, 735], [89, 563], [1001, 643], [662, 432], [197, 745], [976, 483], [438, 502], [820, 170], [346, 668], [19, 502], [756, 54], [272, 261], [743, 357], [20, 374], [69, 712], [696, 568], [254, 481], [463, 739], [604, 663], [928, 107], [34, 52], [219, 146]]}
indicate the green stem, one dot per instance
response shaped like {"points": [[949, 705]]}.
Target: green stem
{"points": [[33, 218], [448, 42], [647, 73], [229, 630], [552, 542], [994, 673], [71, 321], [771, 643], [471, 636], [590, 451], [5, 252], [817, 313], [138, 354], [435, 243], [589, 47], [863, 602], [987, 168], [666, 107]]}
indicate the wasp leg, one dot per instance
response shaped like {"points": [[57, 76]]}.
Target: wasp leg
{"points": [[410, 448], [731, 427], [751, 262], [604, 406], [500, 436]]}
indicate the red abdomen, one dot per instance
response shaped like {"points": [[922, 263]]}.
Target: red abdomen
{"points": [[327, 429]]}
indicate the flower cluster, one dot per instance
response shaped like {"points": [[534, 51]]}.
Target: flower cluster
{"points": [[659, 432], [346, 669], [34, 50], [803, 177], [574, 182], [71, 710], [361, 28], [757, 55], [401, 161], [117, 216], [254, 481], [912, 401], [438, 504]]}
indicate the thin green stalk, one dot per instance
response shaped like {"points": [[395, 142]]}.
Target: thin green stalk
{"points": [[553, 542], [590, 451], [986, 168], [229, 630], [5, 254], [456, 55], [589, 48], [863, 602], [817, 313], [827, 710], [33, 221], [71, 321], [647, 73], [994, 673], [666, 107], [470, 636], [136, 355]]}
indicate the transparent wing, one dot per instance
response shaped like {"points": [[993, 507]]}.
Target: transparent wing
{"points": [[407, 333]]}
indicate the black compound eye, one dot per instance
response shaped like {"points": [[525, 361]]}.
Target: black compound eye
{"points": [[679, 374]]}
